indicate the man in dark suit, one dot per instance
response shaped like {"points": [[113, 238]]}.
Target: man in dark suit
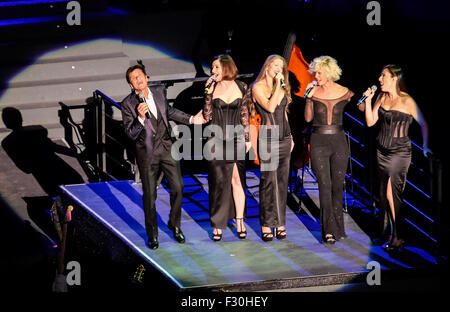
{"points": [[145, 114]]}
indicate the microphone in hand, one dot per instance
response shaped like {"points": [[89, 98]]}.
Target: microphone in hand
{"points": [[364, 97], [283, 85], [308, 91], [213, 79], [142, 100]]}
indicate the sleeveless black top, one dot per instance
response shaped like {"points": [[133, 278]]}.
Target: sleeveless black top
{"points": [[278, 118], [225, 114]]}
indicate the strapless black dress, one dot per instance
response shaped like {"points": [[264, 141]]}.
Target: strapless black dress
{"points": [[226, 149], [394, 158]]}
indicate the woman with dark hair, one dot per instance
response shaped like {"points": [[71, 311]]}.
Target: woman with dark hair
{"points": [[329, 148], [226, 108], [271, 94], [395, 109]]}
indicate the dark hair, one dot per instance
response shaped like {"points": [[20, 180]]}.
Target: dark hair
{"points": [[396, 71], [229, 69], [132, 68]]}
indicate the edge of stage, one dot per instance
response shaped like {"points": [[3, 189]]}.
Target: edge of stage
{"points": [[109, 218]]}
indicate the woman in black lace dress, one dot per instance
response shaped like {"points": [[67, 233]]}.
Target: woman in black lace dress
{"points": [[271, 92], [226, 108], [329, 149], [395, 109]]}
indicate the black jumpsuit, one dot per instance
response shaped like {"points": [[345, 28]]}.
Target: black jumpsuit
{"points": [[329, 160], [274, 148]]}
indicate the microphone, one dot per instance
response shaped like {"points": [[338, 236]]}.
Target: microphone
{"points": [[363, 98], [314, 83], [283, 85], [213, 79], [142, 99]]}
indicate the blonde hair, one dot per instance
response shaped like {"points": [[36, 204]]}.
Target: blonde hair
{"points": [[328, 65], [262, 74]]}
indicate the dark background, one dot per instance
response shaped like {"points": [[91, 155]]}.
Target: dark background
{"points": [[412, 34]]}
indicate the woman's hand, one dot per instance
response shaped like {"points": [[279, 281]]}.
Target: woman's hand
{"points": [[369, 95], [209, 83], [309, 86], [426, 151], [279, 76]]}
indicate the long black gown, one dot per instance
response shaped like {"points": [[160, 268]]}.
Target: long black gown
{"points": [[329, 160], [273, 186], [394, 157], [226, 151]]}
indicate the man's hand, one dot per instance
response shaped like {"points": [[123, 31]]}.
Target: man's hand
{"points": [[248, 145], [142, 110]]}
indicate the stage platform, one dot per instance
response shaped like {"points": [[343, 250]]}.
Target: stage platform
{"points": [[301, 260]]}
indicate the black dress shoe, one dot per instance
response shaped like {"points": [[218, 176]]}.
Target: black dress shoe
{"points": [[153, 244], [177, 234]]}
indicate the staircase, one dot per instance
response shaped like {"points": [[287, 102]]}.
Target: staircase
{"points": [[47, 61]]}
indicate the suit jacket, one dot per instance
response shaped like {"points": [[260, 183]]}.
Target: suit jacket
{"points": [[142, 136]]}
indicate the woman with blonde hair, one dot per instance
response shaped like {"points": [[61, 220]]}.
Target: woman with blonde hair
{"points": [[395, 109], [271, 96], [329, 149]]}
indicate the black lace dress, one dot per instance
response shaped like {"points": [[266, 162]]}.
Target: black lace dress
{"points": [[329, 160], [394, 158], [225, 148]]}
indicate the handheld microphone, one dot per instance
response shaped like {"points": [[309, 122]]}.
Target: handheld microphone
{"points": [[314, 83], [142, 100], [283, 85], [363, 98], [213, 79]]}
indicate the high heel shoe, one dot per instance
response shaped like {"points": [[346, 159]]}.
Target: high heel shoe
{"points": [[280, 234], [266, 236], [330, 239], [389, 247], [217, 236], [241, 234]]}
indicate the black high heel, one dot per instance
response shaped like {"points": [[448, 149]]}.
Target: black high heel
{"points": [[217, 237], [389, 247], [241, 234], [266, 236], [330, 239], [281, 234]]}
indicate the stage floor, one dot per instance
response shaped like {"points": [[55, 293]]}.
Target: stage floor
{"points": [[300, 259]]}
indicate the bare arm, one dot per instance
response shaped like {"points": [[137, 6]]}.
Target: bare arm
{"points": [[371, 113], [269, 104], [418, 116]]}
